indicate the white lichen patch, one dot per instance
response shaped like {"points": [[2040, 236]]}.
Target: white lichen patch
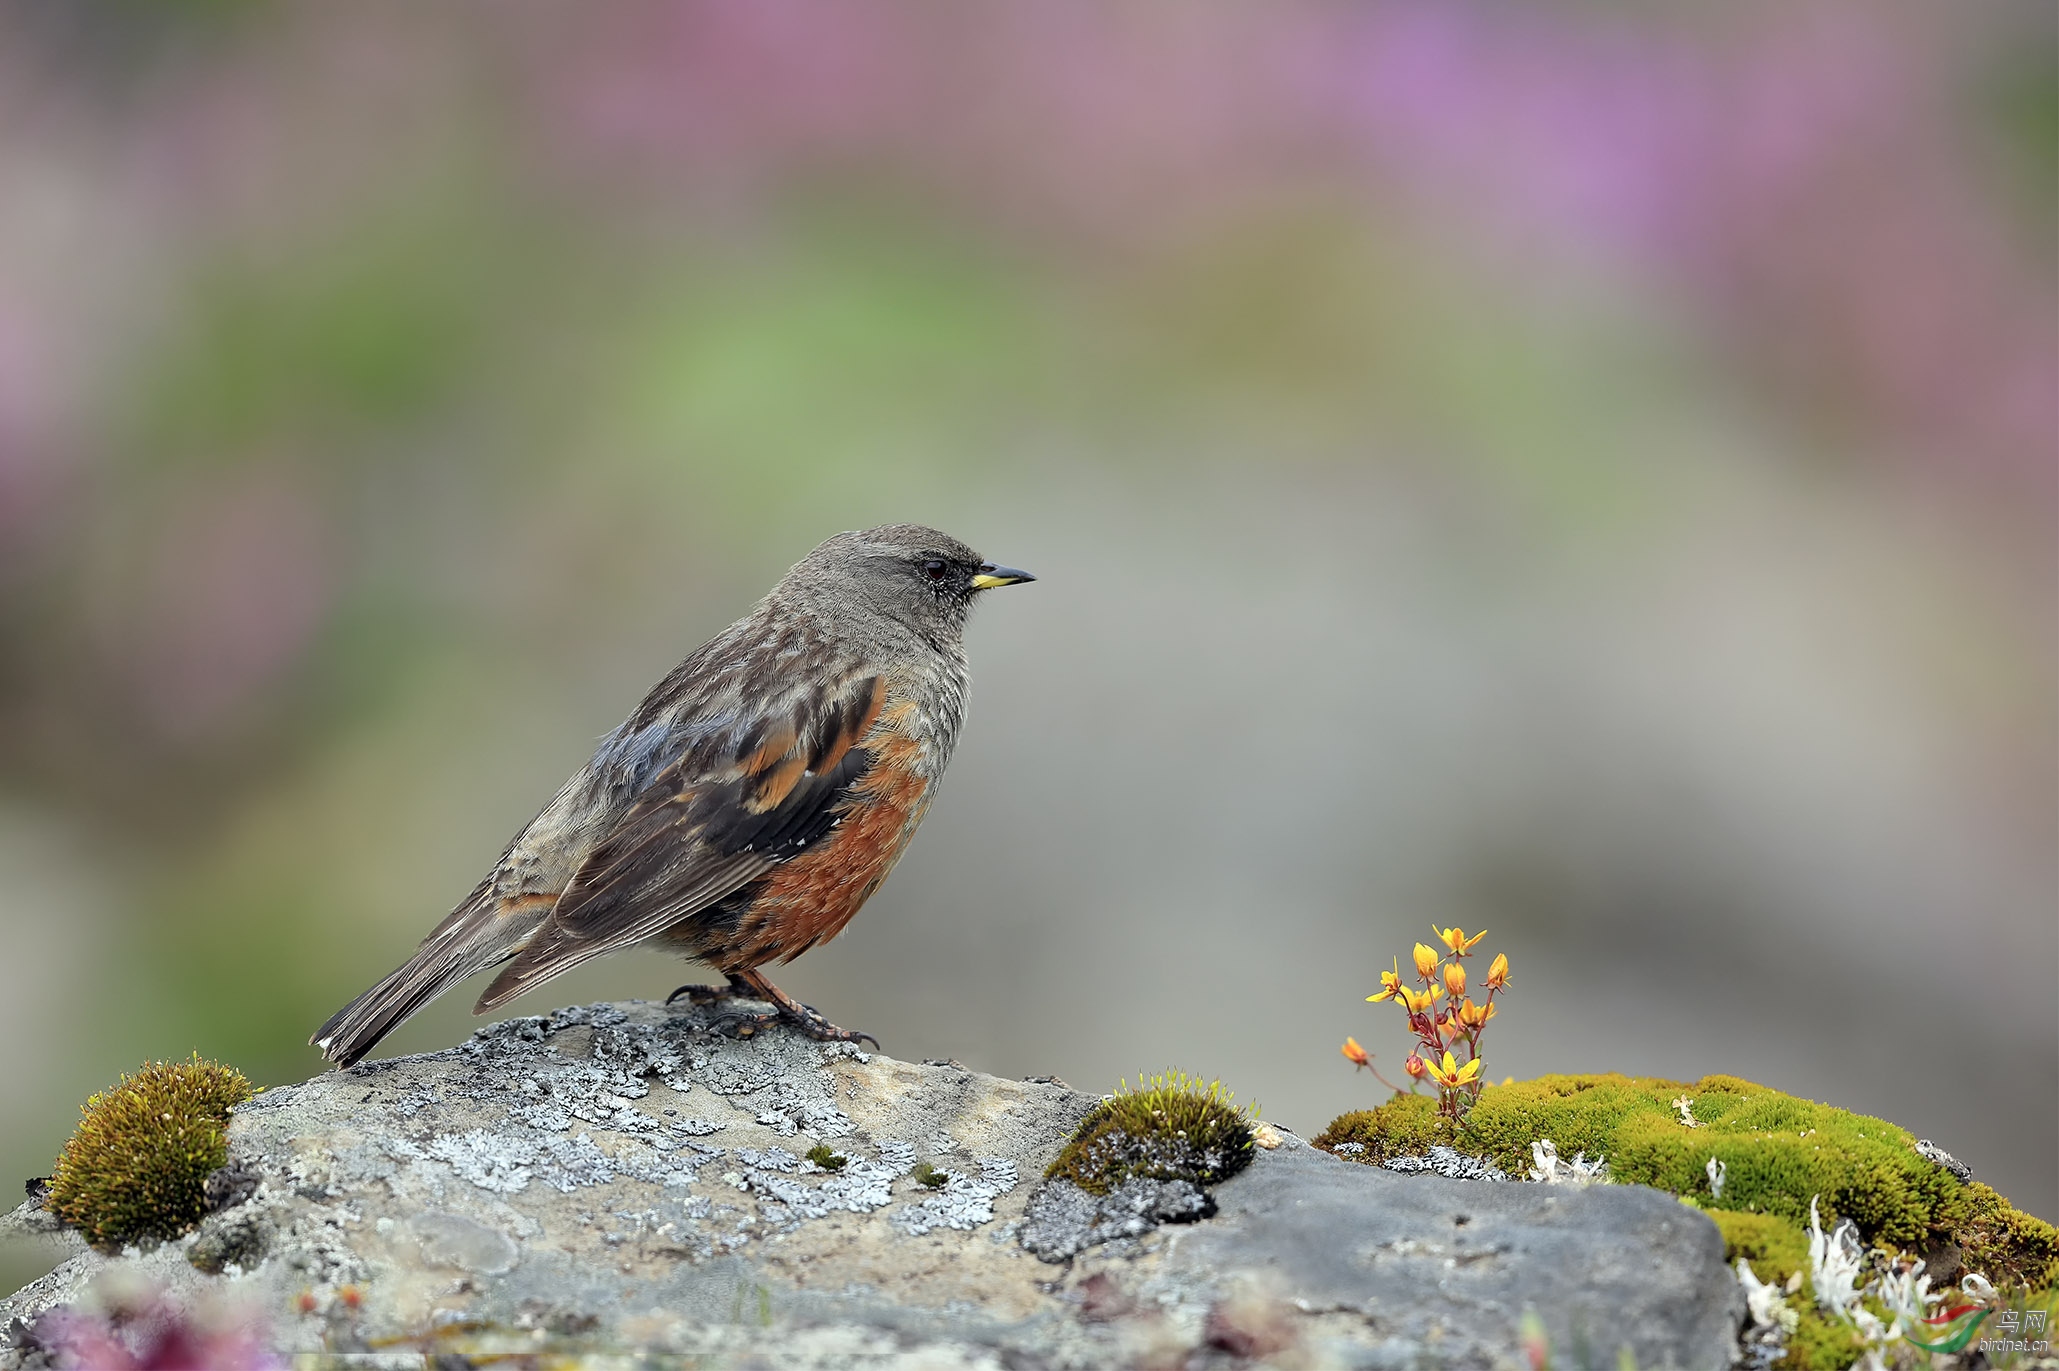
{"points": [[964, 1202], [585, 1118], [1448, 1162]]}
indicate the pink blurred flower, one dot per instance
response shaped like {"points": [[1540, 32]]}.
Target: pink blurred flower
{"points": [[160, 1336]]}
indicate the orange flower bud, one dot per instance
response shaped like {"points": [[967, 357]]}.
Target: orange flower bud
{"points": [[1455, 979], [1355, 1053], [1498, 973], [1426, 961], [1415, 1066]]}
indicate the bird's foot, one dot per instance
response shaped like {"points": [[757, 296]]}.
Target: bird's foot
{"points": [[804, 1019], [749, 985], [740, 1025], [809, 1020], [737, 989]]}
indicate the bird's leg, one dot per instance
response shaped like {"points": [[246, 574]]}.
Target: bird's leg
{"points": [[737, 989], [801, 1016]]}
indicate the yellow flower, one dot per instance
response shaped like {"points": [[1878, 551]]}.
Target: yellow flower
{"points": [[1455, 979], [1390, 983], [1498, 973], [1415, 1065], [1455, 938], [1474, 1015], [1450, 1074], [1355, 1053], [1426, 961], [1419, 1001]]}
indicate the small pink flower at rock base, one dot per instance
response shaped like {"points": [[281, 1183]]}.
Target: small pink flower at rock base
{"points": [[1415, 1066], [1455, 979], [1498, 972], [1390, 984], [1455, 938], [1426, 961], [160, 1336], [1451, 1075], [1355, 1053]]}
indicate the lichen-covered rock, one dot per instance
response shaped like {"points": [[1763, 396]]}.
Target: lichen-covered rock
{"points": [[1062, 1220], [621, 1177]]}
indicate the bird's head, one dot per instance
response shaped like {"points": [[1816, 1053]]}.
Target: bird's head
{"points": [[913, 576]]}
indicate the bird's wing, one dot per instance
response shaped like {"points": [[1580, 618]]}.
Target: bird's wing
{"points": [[729, 809]]}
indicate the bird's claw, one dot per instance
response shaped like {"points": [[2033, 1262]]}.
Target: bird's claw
{"points": [[701, 994], [811, 1025], [742, 1025], [822, 1030]]}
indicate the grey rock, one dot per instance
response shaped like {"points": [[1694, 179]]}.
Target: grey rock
{"points": [[1930, 1151], [229, 1186], [1063, 1220], [461, 1244], [620, 1178], [1444, 1270], [236, 1239]]}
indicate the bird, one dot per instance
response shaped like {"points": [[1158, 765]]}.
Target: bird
{"points": [[747, 807]]}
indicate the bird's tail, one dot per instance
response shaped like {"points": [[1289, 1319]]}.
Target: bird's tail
{"points": [[471, 939]]}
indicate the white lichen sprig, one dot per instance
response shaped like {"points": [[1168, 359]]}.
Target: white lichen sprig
{"points": [[1549, 1168], [1907, 1296], [1767, 1303], [1835, 1261]]}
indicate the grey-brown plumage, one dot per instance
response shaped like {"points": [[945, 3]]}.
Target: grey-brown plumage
{"points": [[748, 806]]}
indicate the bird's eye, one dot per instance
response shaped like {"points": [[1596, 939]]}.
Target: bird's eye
{"points": [[935, 570]]}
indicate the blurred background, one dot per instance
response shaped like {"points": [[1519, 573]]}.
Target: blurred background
{"points": [[1582, 470]]}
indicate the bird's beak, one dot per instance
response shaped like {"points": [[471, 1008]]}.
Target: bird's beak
{"points": [[991, 576]]}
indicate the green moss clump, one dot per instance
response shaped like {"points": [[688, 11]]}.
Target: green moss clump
{"points": [[1405, 1126], [2006, 1245], [1171, 1127], [1779, 1154], [1776, 1247], [139, 1161], [928, 1177], [1819, 1342], [822, 1156]]}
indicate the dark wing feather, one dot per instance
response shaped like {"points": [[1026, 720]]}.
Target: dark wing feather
{"points": [[719, 816]]}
